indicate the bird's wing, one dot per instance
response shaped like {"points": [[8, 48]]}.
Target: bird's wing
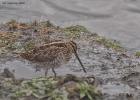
{"points": [[48, 51], [48, 54], [56, 44]]}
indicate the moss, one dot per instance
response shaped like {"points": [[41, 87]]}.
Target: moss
{"points": [[75, 31], [49, 88], [37, 87], [12, 21], [137, 54], [47, 24], [12, 25], [88, 92], [109, 43]]}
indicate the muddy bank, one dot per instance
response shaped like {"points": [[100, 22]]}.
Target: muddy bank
{"points": [[116, 71], [69, 87]]}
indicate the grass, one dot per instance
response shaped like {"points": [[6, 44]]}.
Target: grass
{"points": [[137, 54], [8, 41], [49, 88], [7, 38], [108, 43], [75, 31], [47, 24], [13, 25], [87, 91]]}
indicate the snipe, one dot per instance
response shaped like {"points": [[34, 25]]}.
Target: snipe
{"points": [[53, 54]]}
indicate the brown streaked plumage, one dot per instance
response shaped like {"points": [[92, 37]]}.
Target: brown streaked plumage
{"points": [[53, 54]]}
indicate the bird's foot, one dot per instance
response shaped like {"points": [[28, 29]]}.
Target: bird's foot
{"points": [[46, 72], [54, 72]]}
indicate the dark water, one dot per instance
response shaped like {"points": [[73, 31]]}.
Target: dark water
{"points": [[116, 19]]}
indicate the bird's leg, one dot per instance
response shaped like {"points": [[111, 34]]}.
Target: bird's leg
{"points": [[54, 72], [37, 69], [46, 72]]}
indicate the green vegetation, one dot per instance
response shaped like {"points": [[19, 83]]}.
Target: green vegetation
{"points": [[75, 31], [8, 41], [7, 38], [47, 24], [38, 88], [12, 21], [11, 40], [88, 91], [48, 88], [109, 43], [137, 54]]}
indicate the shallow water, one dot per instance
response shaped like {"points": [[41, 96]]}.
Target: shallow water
{"points": [[116, 19]]}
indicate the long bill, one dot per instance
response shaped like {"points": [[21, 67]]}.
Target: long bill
{"points": [[80, 61]]}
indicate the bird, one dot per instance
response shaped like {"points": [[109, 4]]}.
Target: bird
{"points": [[53, 54]]}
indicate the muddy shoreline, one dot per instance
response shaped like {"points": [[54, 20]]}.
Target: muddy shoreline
{"points": [[116, 71]]}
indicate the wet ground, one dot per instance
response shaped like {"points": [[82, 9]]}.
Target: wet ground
{"points": [[117, 72]]}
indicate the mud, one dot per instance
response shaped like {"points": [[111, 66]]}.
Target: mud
{"points": [[117, 72]]}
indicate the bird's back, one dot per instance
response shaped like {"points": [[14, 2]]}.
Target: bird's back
{"points": [[52, 54]]}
